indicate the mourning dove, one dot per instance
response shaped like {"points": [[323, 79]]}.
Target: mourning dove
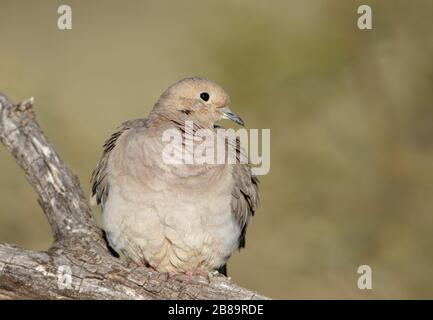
{"points": [[174, 218]]}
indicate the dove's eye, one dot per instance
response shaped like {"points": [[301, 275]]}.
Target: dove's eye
{"points": [[204, 96]]}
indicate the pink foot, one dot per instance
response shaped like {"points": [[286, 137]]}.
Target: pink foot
{"points": [[197, 272], [188, 277]]}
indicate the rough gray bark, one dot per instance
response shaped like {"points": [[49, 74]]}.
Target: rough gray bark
{"points": [[78, 242]]}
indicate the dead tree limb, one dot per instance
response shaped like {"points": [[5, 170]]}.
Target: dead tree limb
{"points": [[78, 265]]}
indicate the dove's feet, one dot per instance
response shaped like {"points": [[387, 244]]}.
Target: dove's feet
{"points": [[200, 272]]}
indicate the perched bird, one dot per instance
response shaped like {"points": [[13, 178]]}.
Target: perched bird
{"points": [[175, 218]]}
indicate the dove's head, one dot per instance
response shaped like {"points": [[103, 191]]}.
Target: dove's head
{"points": [[196, 99]]}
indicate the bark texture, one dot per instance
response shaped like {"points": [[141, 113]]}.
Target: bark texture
{"points": [[78, 265]]}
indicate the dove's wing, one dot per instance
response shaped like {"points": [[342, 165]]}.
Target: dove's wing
{"points": [[99, 183], [245, 197], [245, 193]]}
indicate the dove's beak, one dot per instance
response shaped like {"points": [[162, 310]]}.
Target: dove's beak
{"points": [[228, 114]]}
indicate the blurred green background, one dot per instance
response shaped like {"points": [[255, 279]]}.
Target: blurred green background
{"points": [[350, 113]]}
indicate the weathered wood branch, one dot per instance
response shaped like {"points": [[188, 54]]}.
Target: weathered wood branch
{"points": [[59, 192], [78, 265]]}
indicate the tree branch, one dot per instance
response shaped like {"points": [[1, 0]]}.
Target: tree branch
{"points": [[79, 252], [60, 195]]}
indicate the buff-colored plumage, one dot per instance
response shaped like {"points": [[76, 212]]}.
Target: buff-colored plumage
{"points": [[174, 218]]}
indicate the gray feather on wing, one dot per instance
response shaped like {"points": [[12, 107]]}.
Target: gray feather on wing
{"points": [[245, 194], [245, 197], [99, 183]]}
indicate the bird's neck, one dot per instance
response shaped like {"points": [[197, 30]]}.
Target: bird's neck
{"points": [[179, 119]]}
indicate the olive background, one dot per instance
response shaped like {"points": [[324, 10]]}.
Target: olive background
{"points": [[350, 113]]}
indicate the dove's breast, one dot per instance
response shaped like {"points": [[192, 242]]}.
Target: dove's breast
{"points": [[175, 218]]}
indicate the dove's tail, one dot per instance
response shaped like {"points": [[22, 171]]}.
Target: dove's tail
{"points": [[223, 270]]}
